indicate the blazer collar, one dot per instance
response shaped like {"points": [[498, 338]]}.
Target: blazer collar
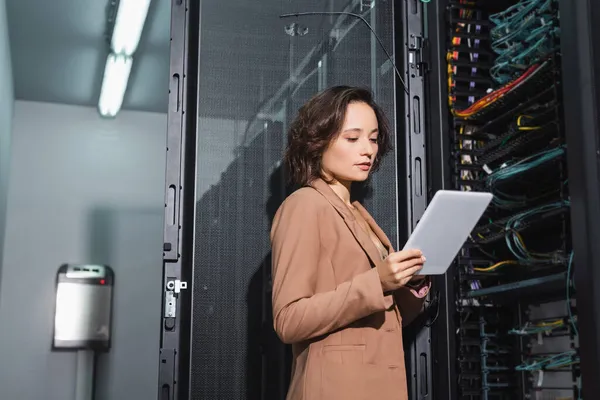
{"points": [[322, 187], [371, 221], [359, 233]]}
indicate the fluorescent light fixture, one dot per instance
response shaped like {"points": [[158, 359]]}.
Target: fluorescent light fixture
{"points": [[116, 75], [129, 24]]}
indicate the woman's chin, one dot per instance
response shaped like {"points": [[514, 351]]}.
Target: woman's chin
{"points": [[360, 177]]}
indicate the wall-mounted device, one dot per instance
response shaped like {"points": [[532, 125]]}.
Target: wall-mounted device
{"points": [[83, 311]]}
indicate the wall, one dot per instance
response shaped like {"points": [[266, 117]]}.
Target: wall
{"points": [[82, 189], [6, 111]]}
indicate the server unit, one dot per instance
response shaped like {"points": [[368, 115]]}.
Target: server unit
{"points": [[483, 96]]}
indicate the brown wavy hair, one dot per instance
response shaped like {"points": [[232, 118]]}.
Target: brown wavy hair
{"points": [[318, 122]]}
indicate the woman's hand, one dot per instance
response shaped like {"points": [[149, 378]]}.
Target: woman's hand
{"points": [[399, 268]]}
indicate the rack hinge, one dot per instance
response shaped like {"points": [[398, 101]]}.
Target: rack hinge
{"points": [[172, 290], [417, 59]]}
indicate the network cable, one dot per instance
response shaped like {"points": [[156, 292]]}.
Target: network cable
{"points": [[495, 266], [506, 172], [498, 94], [569, 280], [522, 10], [537, 328], [524, 34], [560, 360], [517, 58], [514, 240]]}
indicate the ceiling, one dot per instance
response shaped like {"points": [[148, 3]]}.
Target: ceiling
{"points": [[59, 50]]}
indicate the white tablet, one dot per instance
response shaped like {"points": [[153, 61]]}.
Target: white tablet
{"points": [[445, 226]]}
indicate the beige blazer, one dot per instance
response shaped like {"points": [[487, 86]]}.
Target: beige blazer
{"points": [[346, 335]]}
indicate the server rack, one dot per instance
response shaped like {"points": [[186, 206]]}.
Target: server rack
{"points": [[421, 38], [576, 96]]}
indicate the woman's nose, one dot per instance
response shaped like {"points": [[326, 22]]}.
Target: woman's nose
{"points": [[367, 148]]}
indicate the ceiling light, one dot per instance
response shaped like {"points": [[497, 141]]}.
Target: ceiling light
{"points": [[116, 75], [129, 25]]}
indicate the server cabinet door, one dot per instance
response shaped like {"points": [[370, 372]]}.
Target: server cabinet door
{"points": [[239, 73]]}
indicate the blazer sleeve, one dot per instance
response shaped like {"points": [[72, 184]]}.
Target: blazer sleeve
{"points": [[299, 312], [410, 300]]}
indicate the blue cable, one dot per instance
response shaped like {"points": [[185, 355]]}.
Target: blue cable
{"points": [[514, 243], [502, 199], [523, 35], [555, 361], [571, 318]]}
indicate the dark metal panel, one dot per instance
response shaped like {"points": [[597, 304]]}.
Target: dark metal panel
{"points": [[439, 174], [412, 175], [179, 200], [580, 33]]}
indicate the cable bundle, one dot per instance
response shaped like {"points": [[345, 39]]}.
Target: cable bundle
{"points": [[516, 244], [490, 99], [525, 164], [562, 359], [540, 327], [517, 138], [511, 171], [524, 34]]}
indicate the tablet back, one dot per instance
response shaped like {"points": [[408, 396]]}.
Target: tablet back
{"points": [[445, 226]]}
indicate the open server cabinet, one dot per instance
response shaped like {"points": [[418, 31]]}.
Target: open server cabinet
{"points": [[512, 105], [478, 338]]}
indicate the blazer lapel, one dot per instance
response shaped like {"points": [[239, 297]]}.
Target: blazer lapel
{"points": [[360, 235], [378, 231]]}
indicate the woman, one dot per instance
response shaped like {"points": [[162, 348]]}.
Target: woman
{"points": [[340, 292]]}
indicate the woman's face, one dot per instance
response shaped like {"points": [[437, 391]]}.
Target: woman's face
{"points": [[350, 156]]}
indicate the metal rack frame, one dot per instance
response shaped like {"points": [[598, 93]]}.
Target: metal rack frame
{"points": [[437, 116], [178, 250], [581, 74], [411, 58]]}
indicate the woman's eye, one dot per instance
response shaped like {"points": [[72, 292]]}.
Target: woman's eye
{"points": [[352, 139], [374, 140]]}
